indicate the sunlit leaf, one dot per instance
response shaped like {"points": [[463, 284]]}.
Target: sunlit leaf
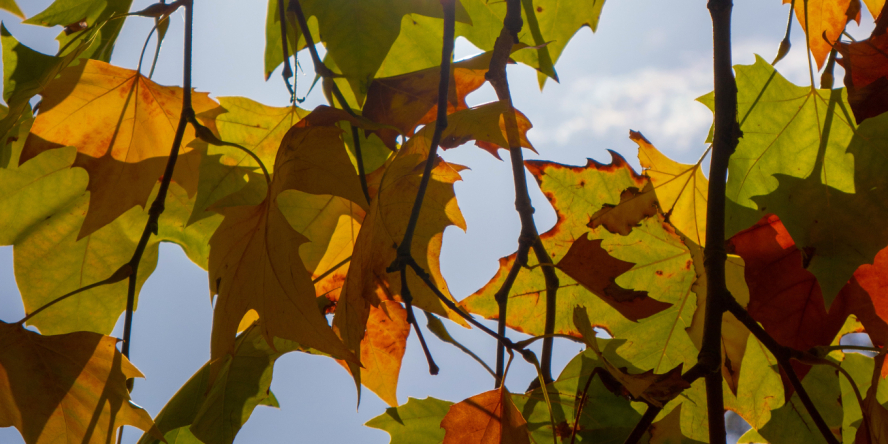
{"points": [[93, 13], [488, 418], [416, 422], [824, 21], [9, 5]]}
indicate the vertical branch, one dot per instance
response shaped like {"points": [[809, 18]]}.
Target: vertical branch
{"points": [[725, 139], [512, 24], [287, 72]]}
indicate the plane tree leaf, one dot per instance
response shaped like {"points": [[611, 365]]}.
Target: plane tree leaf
{"points": [[358, 36], [551, 26], [9, 5], [274, 55], [122, 125], [490, 417], [866, 75], [606, 415], [803, 159], [416, 422], [824, 21], [682, 190], [656, 250], [25, 73], [66, 388], [213, 413], [254, 245], [95, 13]]}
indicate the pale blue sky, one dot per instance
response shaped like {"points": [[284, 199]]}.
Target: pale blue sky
{"points": [[642, 70]]}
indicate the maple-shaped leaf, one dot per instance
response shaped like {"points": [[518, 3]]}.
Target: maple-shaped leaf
{"points": [[866, 75], [215, 413], [682, 190], [486, 125], [229, 176], [358, 36], [868, 299], [663, 268], [548, 25], [408, 100], [590, 265], [416, 422], [66, 388], [792, 423], [256, 247], [78, 14], [487, 418], [656, 389], [803, 159], [605, 415], [25, 73], [824, 21], [382, 350], [122, 125], [9, 5]]}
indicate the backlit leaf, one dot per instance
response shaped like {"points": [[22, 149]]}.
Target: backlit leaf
{"points": [[824, 21], [94, 13], [9, 5], [66, 388], [866, 75], [416, 422], [122, 125], [488, 418]]}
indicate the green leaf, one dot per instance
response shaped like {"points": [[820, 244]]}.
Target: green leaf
{"points": [[94, 13], [803, 158], [553, 24], [25, 73], [9, 5], [606, 416], [274, 55], [416, 422], [792, 423], [213, 415], [359, 35]]}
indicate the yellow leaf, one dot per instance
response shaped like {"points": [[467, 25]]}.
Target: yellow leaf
{"points": [[66, 388], [122, 125]]}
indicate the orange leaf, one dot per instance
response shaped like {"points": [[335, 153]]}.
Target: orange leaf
{"points": [[827, 19], [122, 125], [590, 265], [66, 388], [488, 418], [874, 429], [382, 350]]}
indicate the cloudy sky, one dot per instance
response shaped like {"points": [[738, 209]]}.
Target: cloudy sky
{"points": [[642, 70]]}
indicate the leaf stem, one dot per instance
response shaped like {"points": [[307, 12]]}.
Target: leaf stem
{"points": [[496, 74], [287, 72], [119, 275], [325, 72], [783, 355], [502, 300], [411, 318]]}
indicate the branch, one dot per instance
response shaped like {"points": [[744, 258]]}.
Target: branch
{"points": [[325, 72], [496, 74], [646, 420], [287, 72], [502, 300], [783, 355]]}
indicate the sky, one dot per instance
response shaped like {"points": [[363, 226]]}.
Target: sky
{"points": [[641, 70]]}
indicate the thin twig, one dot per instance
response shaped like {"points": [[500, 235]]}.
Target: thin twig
{"points": [[287, 72], [411, 319], [496, 74], [646, 420], [323, 71], [502, 300], [785, 44]]}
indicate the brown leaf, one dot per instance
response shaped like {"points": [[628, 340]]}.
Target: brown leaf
{"points": [[874, 429], [866, 75], [122, 125], [488, 418], [634, 206], [590, 265], [67, 388]]}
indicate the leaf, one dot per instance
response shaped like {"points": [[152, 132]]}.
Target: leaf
{"points": [[824, 23], [668, 430], [416, 422], [866, 75], [590, 265], [875, 416], [25, 73], [657, 342], [408, 100], [555, 22], [802, 159], [254, 245], [655, 389], [486, 125], [382, 350], [122, 125], [682, 190], [214, 413], [734, 334], [10, 6], [94, 13], [868, 300], [488, 418], [606, 416], [66, 388], [359, 43], [274, 55]]}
